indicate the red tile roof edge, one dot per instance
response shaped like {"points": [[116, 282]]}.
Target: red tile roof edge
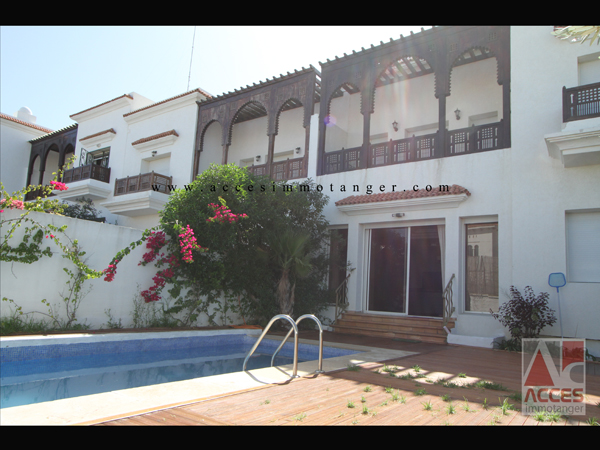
{"points": [[206, 94], [97, 106], [112, 130], [402, 195], [156, 136], [28, 124]]}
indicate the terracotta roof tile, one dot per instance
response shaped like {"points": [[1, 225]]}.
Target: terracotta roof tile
{"points": [[206, 94], [22, 122], [402, 195], [97, 106], [156, 136], [112, 130], [54, 133]]}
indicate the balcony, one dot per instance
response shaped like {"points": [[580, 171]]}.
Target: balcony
{"points": [[417, 148], [143, 182], [91, 181], [581, 102], [578, 144], [282, 170], [140, 195], [89, 171]]}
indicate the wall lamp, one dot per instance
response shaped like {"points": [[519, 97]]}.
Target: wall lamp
{"points": [[395, 125], [154, 153], [257, 158], [298, 149], [457, 114]]}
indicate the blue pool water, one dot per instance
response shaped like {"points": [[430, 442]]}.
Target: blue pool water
{"points": [[39, 373]]}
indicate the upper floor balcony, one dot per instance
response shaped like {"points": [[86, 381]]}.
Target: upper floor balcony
{"points": [[578, 144], [289, 169], [416, 148], [143, 182], [87, 172], [90, 181], [581, 102], [140, 195], [402, 102]]}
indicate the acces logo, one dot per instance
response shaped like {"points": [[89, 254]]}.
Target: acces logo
{"points": [[553, 376]]}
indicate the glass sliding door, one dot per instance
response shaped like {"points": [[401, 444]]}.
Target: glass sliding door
{"points": [[388, 270], [405, 270], [425, 284]]}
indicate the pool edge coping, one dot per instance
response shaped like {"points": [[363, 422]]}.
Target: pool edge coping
{"points": [[69, 411]]}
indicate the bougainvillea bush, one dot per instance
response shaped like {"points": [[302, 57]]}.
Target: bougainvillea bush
{"points": [[243, 225]]}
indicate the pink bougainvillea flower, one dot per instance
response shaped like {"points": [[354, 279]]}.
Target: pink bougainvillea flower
{"points": [[12, 203], [58, 186]]}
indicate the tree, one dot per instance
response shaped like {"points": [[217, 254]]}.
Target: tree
{"points": [[260, 263], [289, 251]]}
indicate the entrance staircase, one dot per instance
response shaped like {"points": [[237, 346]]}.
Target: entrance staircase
{"points": [[421, 329]]}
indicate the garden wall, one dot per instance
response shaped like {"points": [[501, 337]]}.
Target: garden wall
{"points": [[28, 284]]}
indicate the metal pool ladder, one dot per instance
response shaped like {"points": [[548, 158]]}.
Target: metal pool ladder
{"points": [[295, 330]]}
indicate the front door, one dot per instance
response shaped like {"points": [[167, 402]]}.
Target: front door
{"points": [[405, 270]]}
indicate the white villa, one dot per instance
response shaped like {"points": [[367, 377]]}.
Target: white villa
{"points": [[459, 161]]}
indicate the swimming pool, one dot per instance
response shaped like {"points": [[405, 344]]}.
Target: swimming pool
{"points": [[39, 370]]}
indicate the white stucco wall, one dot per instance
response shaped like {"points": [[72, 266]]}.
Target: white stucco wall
{"points": [[28, 284], [14, 153]]}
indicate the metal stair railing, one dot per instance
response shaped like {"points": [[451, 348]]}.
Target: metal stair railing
{"points": [[305, 316], [295, 330]]}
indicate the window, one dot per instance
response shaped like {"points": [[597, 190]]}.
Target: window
{"points": [[583, 247], [98, 158], [481, 281]]}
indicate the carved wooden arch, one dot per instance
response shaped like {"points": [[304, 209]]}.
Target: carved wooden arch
{"points": [[32, 158], [388, 62], [61, 141], [491, 54], [280, 110], [203, 133], [238, 111], [327, 101]]}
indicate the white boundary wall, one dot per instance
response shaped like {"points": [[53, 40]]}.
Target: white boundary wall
{"points": [[28, 284]]}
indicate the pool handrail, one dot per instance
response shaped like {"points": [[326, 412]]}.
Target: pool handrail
{"points": [[305, 316], [294, 329]]}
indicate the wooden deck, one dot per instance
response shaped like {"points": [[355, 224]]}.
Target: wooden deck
{"points": [[370, 396]]}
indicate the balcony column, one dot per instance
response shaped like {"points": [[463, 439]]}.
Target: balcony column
{"points": [[366, 139], [306, 145], [441, 149], [270, 152], [225, 154]]}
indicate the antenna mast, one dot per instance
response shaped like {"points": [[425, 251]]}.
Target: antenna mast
{"points": [[191, 57]]}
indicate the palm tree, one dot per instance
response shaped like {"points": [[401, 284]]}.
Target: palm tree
{"points": [[579, 33], [289, 251]]}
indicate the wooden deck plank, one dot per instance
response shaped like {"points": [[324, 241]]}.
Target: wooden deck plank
{"points": [[323, 399]]}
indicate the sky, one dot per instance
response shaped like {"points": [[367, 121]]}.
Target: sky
{"points": [[60, 71]]}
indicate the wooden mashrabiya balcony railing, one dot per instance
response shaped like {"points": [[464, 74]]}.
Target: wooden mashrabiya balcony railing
{"points": [[143, 182], [581, 102], [89, 171], [476, 138]]}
